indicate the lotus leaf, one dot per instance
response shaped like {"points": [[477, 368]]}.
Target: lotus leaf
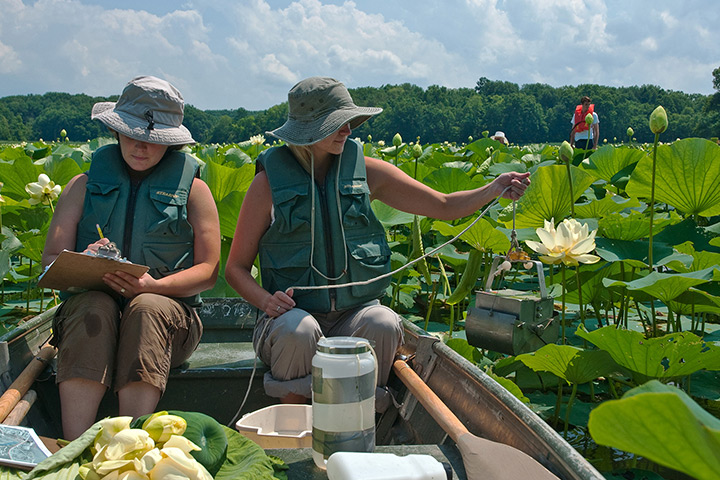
{"points": [[693, 187], [482, 236], [663, 424], [670, 356], [572, 364], [548, 195], [665, 286], [607, 161]]}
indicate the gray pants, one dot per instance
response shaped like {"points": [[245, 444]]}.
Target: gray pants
{"points": [[287, 343]]}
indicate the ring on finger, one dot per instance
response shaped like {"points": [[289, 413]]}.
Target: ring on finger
{"points": [[122, 290], [278, 308]]}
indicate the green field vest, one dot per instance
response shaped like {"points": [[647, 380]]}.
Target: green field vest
{"points": [[160, 235], [285, 247]]}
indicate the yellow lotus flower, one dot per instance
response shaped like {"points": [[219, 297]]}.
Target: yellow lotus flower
{"points": [[43, 191], [161, 426], [569, 244], [177, 464], [109, 428], [128, 444]]}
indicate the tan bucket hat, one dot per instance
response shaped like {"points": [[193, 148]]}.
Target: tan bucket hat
{"points": [[317, 107], [149, 109]]}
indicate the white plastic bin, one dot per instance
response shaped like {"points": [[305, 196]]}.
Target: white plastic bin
{"points": [[278, 426]]}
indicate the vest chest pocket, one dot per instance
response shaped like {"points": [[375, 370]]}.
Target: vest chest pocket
{"points": [[170, 209], [355, 200], [285, 200], [100, 208]]}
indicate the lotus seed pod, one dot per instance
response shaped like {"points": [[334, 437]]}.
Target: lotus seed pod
{"points": [[397, 140], [485, 133], [566, 151], [658, 120], [630, 132], [589, 119]]}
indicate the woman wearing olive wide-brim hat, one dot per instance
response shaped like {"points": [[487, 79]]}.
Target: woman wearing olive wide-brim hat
{"points": [[307, 214], [143, 195]]}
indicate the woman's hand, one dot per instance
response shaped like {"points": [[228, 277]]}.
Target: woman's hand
{"points": [[129, 286], [517, 182], [278, 303]]}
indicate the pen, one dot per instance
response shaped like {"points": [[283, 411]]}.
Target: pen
{"points": [[99, 231]]}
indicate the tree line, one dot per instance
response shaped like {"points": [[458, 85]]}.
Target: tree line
{"points": [[531, 113]]}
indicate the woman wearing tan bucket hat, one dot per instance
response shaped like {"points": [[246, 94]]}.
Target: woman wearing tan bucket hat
{"points": [[307, 214], [144, 195]]}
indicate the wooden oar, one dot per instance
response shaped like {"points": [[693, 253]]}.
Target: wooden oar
{"points": [[22, 383], [21, 409], [483, 458]]}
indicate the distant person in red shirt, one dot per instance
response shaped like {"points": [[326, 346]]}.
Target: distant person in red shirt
{"points": [[581, 132]]}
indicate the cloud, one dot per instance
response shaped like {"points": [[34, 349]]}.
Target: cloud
{"points": [[224, 54]]}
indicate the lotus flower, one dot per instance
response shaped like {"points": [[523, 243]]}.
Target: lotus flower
{"points": [[566, 151], [128, 444], [109, 428], [161, 426], [589, 119], [43, 191], [658, 120], [397, 140], [630, 132], [257, 140], [177, 464], [570, 244]]}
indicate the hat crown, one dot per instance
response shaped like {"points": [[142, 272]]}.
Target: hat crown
{"points": [[315, 97], [151, 94]]}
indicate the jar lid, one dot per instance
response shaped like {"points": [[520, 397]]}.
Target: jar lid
{"points": [[343, 345]]}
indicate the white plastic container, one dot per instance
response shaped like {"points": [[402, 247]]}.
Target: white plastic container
{"points": [[278, 426], [385, 466], [344, 376]]}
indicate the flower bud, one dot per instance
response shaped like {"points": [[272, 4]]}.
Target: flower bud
{"points": [[397, 140], [528, 265], [658, 120], [161, 427], [589, 119], [566, 152], [63, 133], [630, 132], [417, 150], [369, 138]]}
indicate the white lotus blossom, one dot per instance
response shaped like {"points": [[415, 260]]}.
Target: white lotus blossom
{"points": [[43, 191], [570, 244], [257, 140]]}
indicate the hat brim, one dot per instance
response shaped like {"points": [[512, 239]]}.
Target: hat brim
{"points": [[306, 133], [136, 128]]}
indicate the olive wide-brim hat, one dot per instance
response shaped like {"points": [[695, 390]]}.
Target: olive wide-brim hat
{"points": [[149, 109], [317, 107]]}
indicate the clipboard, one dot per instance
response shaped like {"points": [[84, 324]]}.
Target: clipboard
{"points": [[76, 272]]}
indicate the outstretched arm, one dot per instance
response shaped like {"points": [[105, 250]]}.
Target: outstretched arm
{"points": [[395, 188], [253, 221]]}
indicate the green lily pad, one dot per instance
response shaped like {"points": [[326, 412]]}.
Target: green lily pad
{"points": [[607, 161], [665, 286], [548, 196], [692, 188], [670, 356], [482, 236], [574, 365], [600, 208], [389, 216], [663, 424], [635, 253]]}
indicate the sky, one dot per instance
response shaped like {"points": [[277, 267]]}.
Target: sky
{"points": [[229, 54]]}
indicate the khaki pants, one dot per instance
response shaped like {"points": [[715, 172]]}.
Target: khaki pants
{"points": [[97, 340], [287, 343]]}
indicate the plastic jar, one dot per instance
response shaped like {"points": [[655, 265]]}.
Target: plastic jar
{"points": [[344, 376]]}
